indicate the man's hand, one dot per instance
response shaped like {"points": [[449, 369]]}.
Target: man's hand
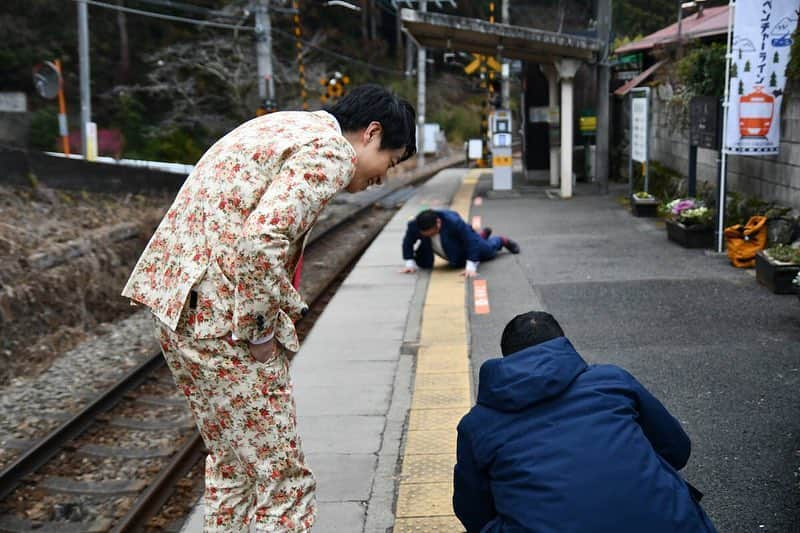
{"points": [[469, 273], [408, 270], [264, 352]]}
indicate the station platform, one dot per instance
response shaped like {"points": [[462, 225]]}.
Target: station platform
{"points": [[392, 363]]}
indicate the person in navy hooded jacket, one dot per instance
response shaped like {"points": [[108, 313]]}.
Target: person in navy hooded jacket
{"points": [[444, 233], [555, 445]]}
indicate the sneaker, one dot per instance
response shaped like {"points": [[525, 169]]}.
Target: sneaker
{"points": [[486, 232], [511, 246]]}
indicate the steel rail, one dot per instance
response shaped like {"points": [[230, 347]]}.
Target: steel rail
{"points": [[53, 442], [153, 498]]}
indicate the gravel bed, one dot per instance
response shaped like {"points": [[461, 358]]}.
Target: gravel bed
{"points": [[31, 407]]}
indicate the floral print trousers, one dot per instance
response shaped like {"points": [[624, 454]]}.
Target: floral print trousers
{"points": [[255, 470]]}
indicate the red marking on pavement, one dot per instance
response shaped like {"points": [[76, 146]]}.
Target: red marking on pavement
{"points": [[480, 294], [476, 222]]}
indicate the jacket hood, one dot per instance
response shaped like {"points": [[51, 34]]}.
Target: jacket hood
{"points": [[532, 375]]}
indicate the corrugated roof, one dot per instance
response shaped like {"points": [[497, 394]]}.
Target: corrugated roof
{"points": [[630, 84], [714, 21]]}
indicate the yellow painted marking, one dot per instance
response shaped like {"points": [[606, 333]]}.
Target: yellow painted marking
{"points": [[433, 418], [427, 468], [425, 499], [428, 525], [441, 381], [442, 395], [432, 441], [433, 399], [501, 161]]}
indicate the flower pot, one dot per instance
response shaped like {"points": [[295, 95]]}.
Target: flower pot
{"points": [[777, 276], [690, 236], [644, 207]]}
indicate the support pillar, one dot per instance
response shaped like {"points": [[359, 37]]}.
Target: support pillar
{"points": [[566, 72], [551, 74]]}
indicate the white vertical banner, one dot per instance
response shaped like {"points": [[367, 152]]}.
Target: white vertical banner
{"points": [[762, 38], [639, 111]]}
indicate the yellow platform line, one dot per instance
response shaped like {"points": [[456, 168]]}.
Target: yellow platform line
{"points": [[440, 398]]}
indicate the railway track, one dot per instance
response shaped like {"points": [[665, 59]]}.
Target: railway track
{"points": [[121, 414]]}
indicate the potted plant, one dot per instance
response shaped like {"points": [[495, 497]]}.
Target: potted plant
{"points": [[689, 223], [644, 204], [778, 267]]}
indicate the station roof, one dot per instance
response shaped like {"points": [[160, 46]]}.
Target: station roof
{"points": [[438, 30], [708, 22]]}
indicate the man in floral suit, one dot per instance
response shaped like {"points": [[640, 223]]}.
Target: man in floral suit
{"points": [[217, 275]]}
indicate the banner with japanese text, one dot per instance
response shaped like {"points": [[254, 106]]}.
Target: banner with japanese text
{"points": [[762, 38]]}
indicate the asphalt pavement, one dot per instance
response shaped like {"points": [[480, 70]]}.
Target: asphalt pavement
{"points": [[719, 350]]}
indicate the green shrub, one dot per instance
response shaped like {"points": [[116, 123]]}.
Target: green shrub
{"points": [[43, 134], [739, 208], [128, 117], [702, 70], [459, 123], [784, 253], [176, 145]]}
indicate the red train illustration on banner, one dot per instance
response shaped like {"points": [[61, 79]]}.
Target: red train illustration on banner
{"points": [[756, 110]]}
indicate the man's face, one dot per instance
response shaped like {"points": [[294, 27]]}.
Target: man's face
{"points": [[432, 231], [373, 162]]}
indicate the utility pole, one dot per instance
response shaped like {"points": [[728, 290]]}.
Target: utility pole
{"points": [[603, 88], [505, 90], [83, 53], [263, 35], [421, 60]]}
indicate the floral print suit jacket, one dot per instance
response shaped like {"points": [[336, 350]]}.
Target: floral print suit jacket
{"points": [[238, 226]]}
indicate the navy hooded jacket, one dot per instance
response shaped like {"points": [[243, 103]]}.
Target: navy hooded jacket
{"points": [[554, 445], [459, 242]]}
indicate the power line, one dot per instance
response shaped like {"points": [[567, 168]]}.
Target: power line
{"points": [[232, 27], [167, 17], [187, 7], [340, 56]]}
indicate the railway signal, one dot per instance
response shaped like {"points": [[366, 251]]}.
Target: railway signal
{"points": [[334, 86]]}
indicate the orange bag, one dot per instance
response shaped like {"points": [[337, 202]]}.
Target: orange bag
{"points": [[744, 241]]}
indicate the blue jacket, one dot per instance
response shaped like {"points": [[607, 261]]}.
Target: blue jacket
{"points": [[554, 445], [459, 242]]}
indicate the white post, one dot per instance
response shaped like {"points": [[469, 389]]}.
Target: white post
{"points": [[723, 165], [263, 36], [566, 71], [83, 53], [421, 60], [552, 98], [505, 87]]}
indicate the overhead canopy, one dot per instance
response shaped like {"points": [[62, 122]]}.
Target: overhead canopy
{"points": [[632, 84], [709, 22], [437, 30]]}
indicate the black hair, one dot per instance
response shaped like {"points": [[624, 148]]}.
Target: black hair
{"points": [[529, 329], [367, 103], [427, 220]]}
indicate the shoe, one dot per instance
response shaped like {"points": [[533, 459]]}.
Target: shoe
{"points": [[511, 246], [486, 232]]}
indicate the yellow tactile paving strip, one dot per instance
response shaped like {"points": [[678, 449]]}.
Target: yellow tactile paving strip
{"points": [[441, 397]]}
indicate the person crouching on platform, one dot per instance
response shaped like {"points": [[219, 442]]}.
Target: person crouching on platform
{"points": [[443, 232], [555, 445], [218, 272]]}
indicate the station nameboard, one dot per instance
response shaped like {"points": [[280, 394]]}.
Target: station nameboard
{"points": [[704, 122]]}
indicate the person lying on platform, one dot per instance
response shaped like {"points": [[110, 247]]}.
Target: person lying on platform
{"points": [[556, 445], [444, 233]]}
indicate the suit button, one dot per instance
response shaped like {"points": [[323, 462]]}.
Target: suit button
{"points": [[260, 321]]}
